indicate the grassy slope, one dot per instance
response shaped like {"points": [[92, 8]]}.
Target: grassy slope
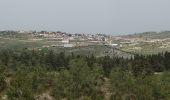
{"points": [[149, 48], [152, 35]]}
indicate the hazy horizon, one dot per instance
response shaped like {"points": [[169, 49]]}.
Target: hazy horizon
{"points": [[86, 16]]}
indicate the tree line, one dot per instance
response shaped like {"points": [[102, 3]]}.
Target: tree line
{"points": [[26, 74]]}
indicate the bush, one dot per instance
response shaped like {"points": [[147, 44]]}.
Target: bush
{"points": [[78, 82]]}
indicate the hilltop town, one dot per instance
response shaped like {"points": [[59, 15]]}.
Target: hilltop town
{"points": [[63, 38], [148, 42]]}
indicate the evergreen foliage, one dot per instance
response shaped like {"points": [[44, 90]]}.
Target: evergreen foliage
{"points": [[25, 74]]}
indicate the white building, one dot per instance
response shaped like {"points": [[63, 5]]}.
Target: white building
{"points": [[65, 41], [68, 45]]}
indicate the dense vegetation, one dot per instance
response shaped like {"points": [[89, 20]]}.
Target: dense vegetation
{"points": [[28, 74]]}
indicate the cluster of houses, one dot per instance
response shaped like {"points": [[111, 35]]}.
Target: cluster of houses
{"points": [[64, 39], [73, 40], [62, 36]]}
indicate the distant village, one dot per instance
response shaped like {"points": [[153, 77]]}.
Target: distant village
{"points": [[63, 39]]}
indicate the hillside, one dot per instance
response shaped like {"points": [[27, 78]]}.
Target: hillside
{"points": [[149, 35], [46, 75], [146, 43]]}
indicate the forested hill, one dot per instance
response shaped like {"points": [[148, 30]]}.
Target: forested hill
{"points": [[150, 35], [46, 75]]}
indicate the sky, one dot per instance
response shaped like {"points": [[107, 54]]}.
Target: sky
{"points": [[86, 16]]}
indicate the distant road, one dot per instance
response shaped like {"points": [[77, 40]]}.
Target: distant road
{"points": [[132, 53]]}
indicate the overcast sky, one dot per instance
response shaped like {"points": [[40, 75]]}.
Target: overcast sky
{"points": [[86, 16]]}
